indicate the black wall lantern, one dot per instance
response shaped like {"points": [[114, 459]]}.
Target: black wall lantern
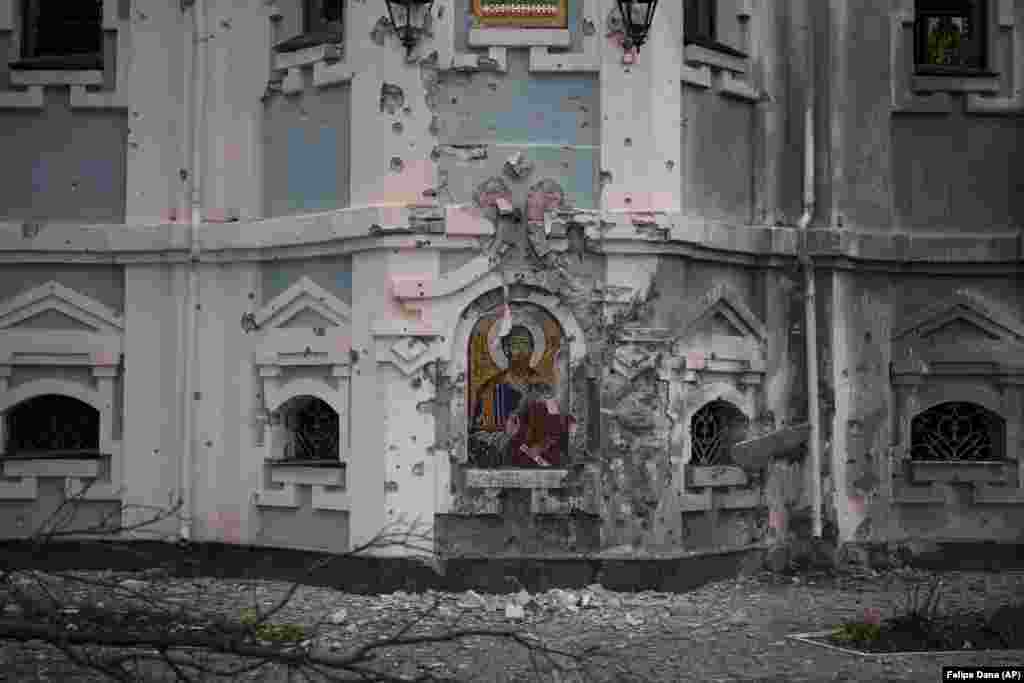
{"points": [[636, 21], [403, 18]]}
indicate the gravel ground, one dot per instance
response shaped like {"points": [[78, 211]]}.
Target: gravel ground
{"points": [[733, 630]]}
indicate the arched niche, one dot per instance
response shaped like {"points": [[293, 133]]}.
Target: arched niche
{"points": [[550, 410], [305, 429], [90, 465], [51, 424]]}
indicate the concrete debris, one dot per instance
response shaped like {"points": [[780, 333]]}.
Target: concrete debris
{"points": [[338, 616]]}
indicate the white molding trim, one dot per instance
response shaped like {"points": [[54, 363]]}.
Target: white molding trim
{"points": [[307, 56], [302, 294], [519, 37], [696, 76], [41, 77], [969, 306], [32, 98], [55, 296], [722, 299], [82, 98], [697, 55]]}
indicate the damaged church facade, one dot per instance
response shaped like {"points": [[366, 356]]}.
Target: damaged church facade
{"points": [[515, 280]]}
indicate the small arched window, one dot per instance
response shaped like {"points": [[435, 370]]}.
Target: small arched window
{"points": [[307, 429], [713, 430], [51, 423], [957, 431]]}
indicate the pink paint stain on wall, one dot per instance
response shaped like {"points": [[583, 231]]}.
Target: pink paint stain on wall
{"points": [[695, 360], [466, 221], [407, 186], [857, 504], [776, 520], [225, 525], [232, 152], [539, 202]]}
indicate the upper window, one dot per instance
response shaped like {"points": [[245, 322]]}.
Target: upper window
{"points": [[950, 35], [700, 21], [321, 23], [322, 16], [59, 33], [52, 424]]}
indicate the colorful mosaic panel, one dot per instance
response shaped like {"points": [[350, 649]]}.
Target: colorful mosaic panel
{"points": [[528, 14], [517, 391]]}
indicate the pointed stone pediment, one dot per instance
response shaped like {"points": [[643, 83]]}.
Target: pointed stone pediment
{"points": [[54, 306], [963, 318], [721, 312], [304, 304]]}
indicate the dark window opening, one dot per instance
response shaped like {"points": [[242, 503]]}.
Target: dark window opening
{"points": [[321, 23], [957, 432], [52, 424], [714, 429], [700, 19], [62, 34], [310, 429], [950, 36]]}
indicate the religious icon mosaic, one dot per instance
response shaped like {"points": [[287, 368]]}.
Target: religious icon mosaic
{"points": [[518, 395]]}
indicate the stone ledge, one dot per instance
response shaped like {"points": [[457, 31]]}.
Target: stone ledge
{"points": [[54, 77], [515, 37], [516, 478]]}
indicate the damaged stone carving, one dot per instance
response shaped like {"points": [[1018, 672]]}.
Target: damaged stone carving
{"points": [[392, 98], [517, 390], [518, 166], [545, 195], [490, 191]]}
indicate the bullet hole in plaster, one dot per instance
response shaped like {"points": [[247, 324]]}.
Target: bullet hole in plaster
{"points": [[397, 165], [380, 31], [396, 127], [390, 487], [413, 439], [435, 154], [416, 382], [407, 110], [455, 100], [867, 337], [30, 229], [225, 24], [628, 200], [614, 21], [670, 164], [440, 12], [183, 174], [628, 142], [588, 27], [392, 98], [417, 469], [605, 176], [492, 86]]}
